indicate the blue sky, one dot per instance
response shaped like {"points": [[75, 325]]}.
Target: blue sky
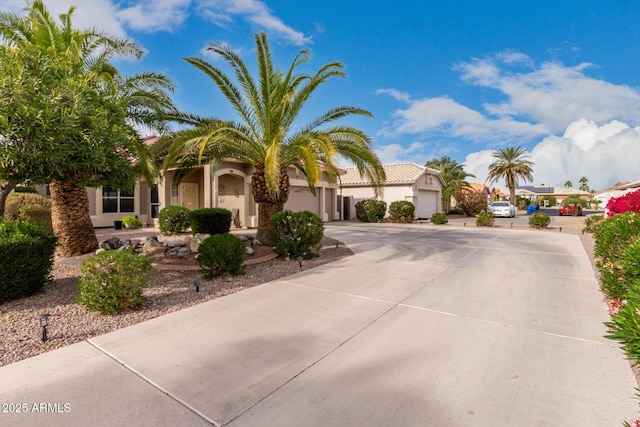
{"points": [[456, 78]]}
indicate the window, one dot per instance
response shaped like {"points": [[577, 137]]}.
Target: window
{"points": [[175, 200], [114, 201], [155, 202]]}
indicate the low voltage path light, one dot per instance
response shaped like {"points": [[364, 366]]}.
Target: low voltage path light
{"points": [[196, 283], [299, 259], [561, 229], [44, 322]]}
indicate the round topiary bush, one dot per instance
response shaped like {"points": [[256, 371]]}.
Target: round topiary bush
{"points": [[15, 202], [131, 222], [173, 219], [539, 220], [297, 234], [485, 219], [370, 210], [26, 251], [111, 281], [219, 254], [210, 221], [402, 211], [439, 218]]}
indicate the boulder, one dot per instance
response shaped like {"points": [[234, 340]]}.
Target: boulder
{"points": [[174, 243], [150, 246], [193, 242], [249, 250], [110, 244], [183, 253]]}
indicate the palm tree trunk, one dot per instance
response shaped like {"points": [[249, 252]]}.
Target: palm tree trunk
{"points": [[70, 219], [268, 203]]}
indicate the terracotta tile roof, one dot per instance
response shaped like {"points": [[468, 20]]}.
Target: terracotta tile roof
{"points": [[401, 173]]}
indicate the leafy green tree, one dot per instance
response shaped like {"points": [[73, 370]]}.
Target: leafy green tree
{"points": [[584, 184], [267, 135], [454, 177], [511, 164], [67, 116]]}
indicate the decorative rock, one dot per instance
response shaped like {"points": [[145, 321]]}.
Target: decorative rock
{"points": [[174, 243], [193, 243], [110, 244], [152, 238], [150, 246], [135, 243], [183, 252], [99, 251], [255, 242], [249, 250]]}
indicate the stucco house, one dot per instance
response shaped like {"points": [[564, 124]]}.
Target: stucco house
{"points": [[405, 181], [616, 191], [228, 186]]}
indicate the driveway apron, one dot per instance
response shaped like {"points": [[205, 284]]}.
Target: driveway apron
{"points": [[424, 326]]}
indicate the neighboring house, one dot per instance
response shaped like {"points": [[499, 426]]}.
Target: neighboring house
{"points": [[229, 187], [616, 191], [560, 193], [406, 181]]}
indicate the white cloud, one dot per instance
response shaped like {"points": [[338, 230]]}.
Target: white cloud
{"points": [[222, 13], [604, 154], [396, 153], [158, 15]]}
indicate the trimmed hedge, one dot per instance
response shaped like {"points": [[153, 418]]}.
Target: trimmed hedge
{"points": [[15, 202], [371, 210], [173, 219], [210, 221], [26, 250], [539, 220], [439, 218], [402, 211], [297, 234], [221, 253]]}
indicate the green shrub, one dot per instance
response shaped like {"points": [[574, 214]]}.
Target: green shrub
{"points": [[402, 211], [539, 220], [552, 201], [485, 219], [612, 237], [26, 251], [471, 202], [591, 222], [219, 254], [25, 189], [297, 234], [210, 221], [131, 222], [36, 213], [625, 318], [370, 210], [111, 281], [16, 201], [173, 219], [439, 218], [575, 200]]}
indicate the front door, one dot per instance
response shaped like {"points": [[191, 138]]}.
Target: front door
{"points": [[189, 196]]}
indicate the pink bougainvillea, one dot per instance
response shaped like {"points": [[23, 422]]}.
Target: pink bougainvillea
{"points": [[629, 202]]}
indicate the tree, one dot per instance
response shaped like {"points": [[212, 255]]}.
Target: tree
{"points": [[267, 135], [67, 116], [511, 164], [471, 202], [453, 175], [568, 184], [584, 184]]}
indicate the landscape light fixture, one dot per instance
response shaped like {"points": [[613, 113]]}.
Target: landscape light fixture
{"points": [[511, 225], [196, 283], [561, 229], [44, 322], [465, 224], [299, 259]]}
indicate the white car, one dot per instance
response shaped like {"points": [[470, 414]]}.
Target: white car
{"points": [[505, 209]]}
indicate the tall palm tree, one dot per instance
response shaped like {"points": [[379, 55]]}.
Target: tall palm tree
{"points": [[511, 163], [87, 117], [266, 134], [454, 176], [568, 184]]}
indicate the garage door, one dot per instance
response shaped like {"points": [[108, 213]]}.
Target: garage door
{"points": [[427, 203], [301, 199]]}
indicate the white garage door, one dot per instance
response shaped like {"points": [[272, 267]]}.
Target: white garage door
{"points": [[427, 203], [301, 199]]}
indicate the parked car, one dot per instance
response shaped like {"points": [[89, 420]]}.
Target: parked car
{"points": [[505, 209], [575, 210]]}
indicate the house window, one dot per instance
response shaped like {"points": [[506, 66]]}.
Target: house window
{"points": [[114, 201], [155, 201], [175, 200]]}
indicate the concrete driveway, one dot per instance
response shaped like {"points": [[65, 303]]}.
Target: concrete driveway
{"points": [[424, 326]]}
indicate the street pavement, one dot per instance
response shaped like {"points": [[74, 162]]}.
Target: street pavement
{"points": [[425, 326]]}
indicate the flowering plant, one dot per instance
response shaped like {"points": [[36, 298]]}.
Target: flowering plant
{"points": [[629, 202]]}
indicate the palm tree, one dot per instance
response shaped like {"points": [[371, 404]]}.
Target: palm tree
{"points": [[453, 174], [511, 164], [568, 184], [584, 184], [84, 131], [266, 134]]}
